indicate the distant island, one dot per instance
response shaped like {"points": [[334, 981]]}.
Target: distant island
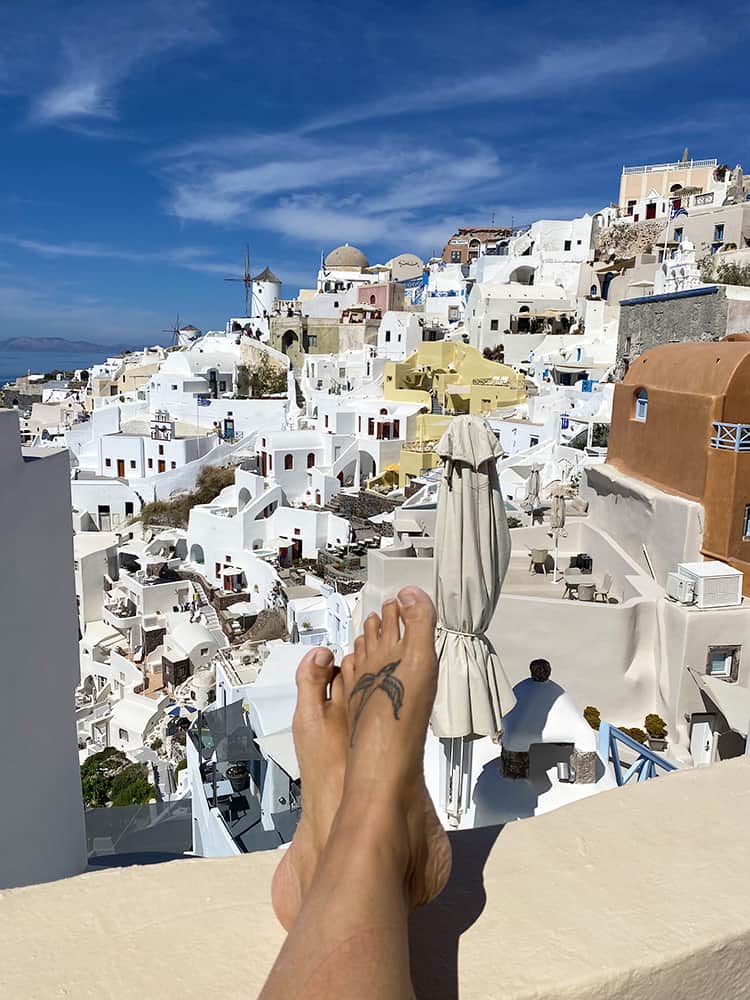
{"points": [[60, 345]]}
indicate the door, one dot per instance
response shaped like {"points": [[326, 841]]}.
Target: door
{"points": [[121, 468], [702, 738], [162, 465]]}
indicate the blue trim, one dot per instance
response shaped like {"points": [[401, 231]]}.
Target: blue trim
{"points": [[643, 767], [687, 294]]}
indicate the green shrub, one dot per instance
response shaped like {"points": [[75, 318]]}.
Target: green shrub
{"points": [[157, 744], [655, 726], [182, 766], [131, 787], [175, 513], [634, 733], [513, 522], [592, 716]]}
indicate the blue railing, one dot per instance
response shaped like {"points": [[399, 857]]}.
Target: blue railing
{"points": [[643, 767]]}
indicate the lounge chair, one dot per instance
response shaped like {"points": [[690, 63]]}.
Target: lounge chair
{"points": [[538, 557], [603, 592]]}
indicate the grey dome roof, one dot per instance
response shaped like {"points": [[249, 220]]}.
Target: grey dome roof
{"points": [[345, 257]]}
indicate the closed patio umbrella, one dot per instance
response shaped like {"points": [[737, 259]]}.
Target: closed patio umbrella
{"points": [[557, 520], [533, 486], [472, 551]]}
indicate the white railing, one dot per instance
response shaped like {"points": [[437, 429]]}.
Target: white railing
{"points": [[731, 437], [677, 165]]}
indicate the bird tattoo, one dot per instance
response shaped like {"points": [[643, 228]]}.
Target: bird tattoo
{"points": [[368, 684]]}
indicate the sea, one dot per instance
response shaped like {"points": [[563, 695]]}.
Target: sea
{"points": [[14, 363]]}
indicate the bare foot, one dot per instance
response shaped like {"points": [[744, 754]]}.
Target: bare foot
{"points": [[321, 739], [390, 683]]}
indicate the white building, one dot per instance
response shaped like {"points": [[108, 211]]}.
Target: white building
{"points": [[399, 335], [41, 821]]}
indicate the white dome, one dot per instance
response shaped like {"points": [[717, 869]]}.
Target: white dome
{"points": [[544, 713]]}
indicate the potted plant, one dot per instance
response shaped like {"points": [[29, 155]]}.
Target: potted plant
{"points": [[592, 716], [239, 777], [656, 728]]}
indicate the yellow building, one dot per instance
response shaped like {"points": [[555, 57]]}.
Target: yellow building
{"points": [[453, 378]]}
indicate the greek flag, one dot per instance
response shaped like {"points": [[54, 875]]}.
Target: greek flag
{"points": [[677, 212]]}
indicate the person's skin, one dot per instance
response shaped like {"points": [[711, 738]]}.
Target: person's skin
{"points": [[369, 847]]}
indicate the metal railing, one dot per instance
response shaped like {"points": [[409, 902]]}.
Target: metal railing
{"points": [[643, 767], [731, 437], [677, 165]]}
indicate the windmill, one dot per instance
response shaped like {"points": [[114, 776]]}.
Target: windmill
{"points": [[246, 280], [174, 330]]}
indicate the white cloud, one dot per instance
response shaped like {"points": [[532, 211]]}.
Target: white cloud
{"points": [[108, 45]]}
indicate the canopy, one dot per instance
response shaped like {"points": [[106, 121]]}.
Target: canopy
{"points": [[472, 551], [732, 700], [180, 711]]}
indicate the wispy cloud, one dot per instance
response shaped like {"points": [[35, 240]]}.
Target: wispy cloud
{"points": [[551, 70], [189, 258], [108, 45]]}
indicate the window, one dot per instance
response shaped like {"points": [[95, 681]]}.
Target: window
{"points": [[724, 662], [173, 465], [578, 242], [494, 324], [371, 426], [533, 440], [387, 336], [204, 651], [719, 233], [151, 463], [132, 463], [297, 531], [641, 405], [173, 388], [335, 305], [128, 508], [161, 449], [312, 340], [746, 529], [678, 235], [108, 462], [223, 385], [123, 734], [567, 245], [455, 256], [311, 456], [631, 207], [325, 420], [288, 461], [372, 300]]}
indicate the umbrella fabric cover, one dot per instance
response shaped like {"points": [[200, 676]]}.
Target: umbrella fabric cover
{"points": [[472, 551]]}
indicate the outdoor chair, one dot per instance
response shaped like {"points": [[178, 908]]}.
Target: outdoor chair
{"points": [[538, 557], [603, 592], [586, 591], [570, 590]]}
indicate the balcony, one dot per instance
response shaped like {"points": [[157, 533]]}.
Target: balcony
{"points": [[731, 437]]}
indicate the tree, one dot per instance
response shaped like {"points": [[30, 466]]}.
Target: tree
{"points": [[267, 378], [733, 274], [109, 778]]}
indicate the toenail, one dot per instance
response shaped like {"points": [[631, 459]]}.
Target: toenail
{"points": [[322, 658], [407, 598]]}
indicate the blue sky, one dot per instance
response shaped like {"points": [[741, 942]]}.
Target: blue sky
{"points": [[144, 142]]}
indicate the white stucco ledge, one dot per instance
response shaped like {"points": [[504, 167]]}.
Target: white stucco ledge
{"points": [[636, 893]]}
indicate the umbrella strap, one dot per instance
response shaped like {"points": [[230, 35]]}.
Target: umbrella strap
{"points": [[458, 631]]}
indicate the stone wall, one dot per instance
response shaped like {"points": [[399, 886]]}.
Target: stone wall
{"points": [[700, 314]]}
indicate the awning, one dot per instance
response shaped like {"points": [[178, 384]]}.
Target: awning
{"points": [[279, 747], [732, 700]]}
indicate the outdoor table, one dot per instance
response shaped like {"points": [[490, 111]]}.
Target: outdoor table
{"points": [[573, 579]]}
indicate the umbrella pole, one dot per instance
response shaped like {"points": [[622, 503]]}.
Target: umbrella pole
{"points": [[557, 554]]}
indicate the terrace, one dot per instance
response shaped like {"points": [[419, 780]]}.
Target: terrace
{"points": [[516, 885]]}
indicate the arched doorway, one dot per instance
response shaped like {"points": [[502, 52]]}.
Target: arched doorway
{"points": [[243, 498], [523, 275], [197, 555], [289, 340]]}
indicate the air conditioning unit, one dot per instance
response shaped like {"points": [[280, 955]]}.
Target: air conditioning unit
{"points": [[680, 589], [716, 584]]}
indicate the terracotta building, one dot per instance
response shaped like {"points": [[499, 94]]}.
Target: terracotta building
{"points": [[466, 243], [680, 422]]}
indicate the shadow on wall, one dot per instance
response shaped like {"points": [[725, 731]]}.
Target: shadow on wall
{"points": [[435, 930]]}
